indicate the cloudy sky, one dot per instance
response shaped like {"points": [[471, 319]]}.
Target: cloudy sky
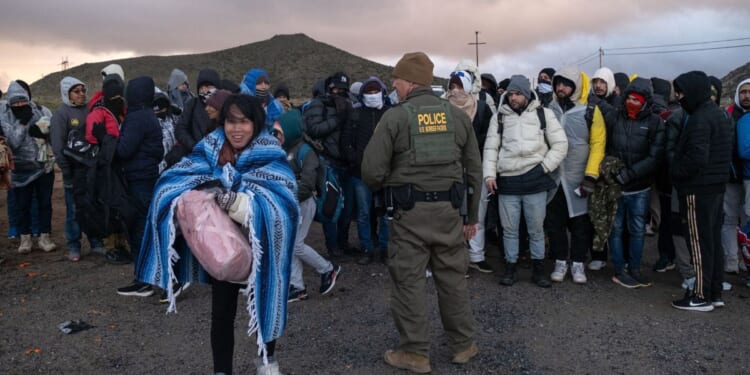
{"points": [[520, 36]]}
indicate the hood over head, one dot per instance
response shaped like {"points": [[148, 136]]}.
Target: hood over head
{"points": [[140, 93], [16, 93], [695, 88], [744, 82], [662, 87], [247, 86], [66, 84], [606, 75], [621, 80], [176, 78], [573, 74], [642, 87], [319, 88], [291, 124], [369, 82], [113, 69], [468, 65]]}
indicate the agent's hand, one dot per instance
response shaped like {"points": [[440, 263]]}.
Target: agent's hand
{"points": [[470, 230]]}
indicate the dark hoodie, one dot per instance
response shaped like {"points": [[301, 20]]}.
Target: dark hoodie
{"points": [[140, 145], [638, 142], [662, 93], [357, 132], [703, 151], [716, 84], [492, 89], [194, 123]]}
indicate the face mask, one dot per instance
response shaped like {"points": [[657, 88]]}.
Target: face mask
{"points": [[261, 94], [633, 109], [116, 106], [23, 113], [544, 87], [373, 100], [207, 95]]}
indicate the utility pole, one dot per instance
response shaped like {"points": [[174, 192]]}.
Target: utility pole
{"points": [[601, 53], [64, 64], [476, 45]]}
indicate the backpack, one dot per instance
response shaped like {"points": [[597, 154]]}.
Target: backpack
{"points": [[542, 124], [329, 200]]}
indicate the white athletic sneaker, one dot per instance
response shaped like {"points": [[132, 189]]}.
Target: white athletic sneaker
{"points": [[576, 270], [561, 268], [596, 265]]}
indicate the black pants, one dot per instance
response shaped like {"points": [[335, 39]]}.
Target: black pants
{"points": [[557, 224], [223, 312], [665, 242], [702, 215]]}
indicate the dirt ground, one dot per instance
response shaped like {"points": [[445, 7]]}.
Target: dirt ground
{"points": [[597, 328]]}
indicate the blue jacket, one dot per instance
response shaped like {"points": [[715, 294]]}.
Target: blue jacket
{"points": [[273, 107], [140, 146]]}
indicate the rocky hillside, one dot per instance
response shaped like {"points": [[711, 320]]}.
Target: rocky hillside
{"points": [[297, 60]]}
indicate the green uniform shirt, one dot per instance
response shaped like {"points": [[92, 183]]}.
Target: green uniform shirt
{"points": [[386, 159]]}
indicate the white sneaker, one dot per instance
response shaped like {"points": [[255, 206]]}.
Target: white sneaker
{"points": [[576, 270], [725, 286], [596, 265], [272, 368], [25, 246], [45, 243], [689, 283], [561, 268]]}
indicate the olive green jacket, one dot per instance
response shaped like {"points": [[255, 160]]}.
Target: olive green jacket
{"points": [[391, 139]]}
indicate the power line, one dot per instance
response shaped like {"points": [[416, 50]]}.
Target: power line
{"points": [[673, 51], [680, 44], [584, 59]]}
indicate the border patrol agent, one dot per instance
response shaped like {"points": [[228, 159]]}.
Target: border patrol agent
{"points": [[424, 156]]}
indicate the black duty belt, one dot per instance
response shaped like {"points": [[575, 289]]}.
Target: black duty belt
{"points": [[432, 196]]}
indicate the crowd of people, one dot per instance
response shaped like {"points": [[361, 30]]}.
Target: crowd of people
{"points": [[576, 169]]}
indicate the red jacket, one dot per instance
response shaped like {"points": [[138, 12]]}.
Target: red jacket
{"points": [[98, 114]]}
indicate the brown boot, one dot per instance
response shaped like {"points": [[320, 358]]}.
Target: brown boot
{"points": [[466, 355], [408, 361]]}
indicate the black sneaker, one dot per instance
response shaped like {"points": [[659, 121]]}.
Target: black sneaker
{"points": [[328, 280], [136, 288], [638, 277], [178, 288], [482, 266], [625, 280], [692, 303], [117, 256], [663, 265], [297, 294]]}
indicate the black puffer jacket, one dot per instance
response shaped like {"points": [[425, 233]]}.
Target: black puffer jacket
{"points": [[194, 123], [357, 134], [703, 151], [140, 145], [638, 142], [323, 120], [481, 123]]}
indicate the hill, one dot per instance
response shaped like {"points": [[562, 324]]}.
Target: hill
{"points": [[297, 60], [730, 82]]}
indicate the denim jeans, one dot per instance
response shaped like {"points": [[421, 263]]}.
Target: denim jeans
{"points": [[633, 208], [41, 191], [534, 209], [13, 219], [72, 229], [476, 243], [363, 197], [337, 234]]}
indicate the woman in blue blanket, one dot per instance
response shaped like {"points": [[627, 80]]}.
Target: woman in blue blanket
{"points": [[258, 189]]}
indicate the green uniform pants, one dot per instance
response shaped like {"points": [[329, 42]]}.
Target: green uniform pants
{"points": [[430, 234]]}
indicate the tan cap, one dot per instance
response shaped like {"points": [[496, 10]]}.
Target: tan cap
{"points": [[414, 67]]}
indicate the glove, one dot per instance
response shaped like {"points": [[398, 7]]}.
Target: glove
{"points": [[587, 186], [36, 132], [225, 199], [623, 176], [99, 131]]}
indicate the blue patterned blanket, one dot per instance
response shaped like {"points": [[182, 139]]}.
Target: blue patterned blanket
{"points": [[262, 172]]}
